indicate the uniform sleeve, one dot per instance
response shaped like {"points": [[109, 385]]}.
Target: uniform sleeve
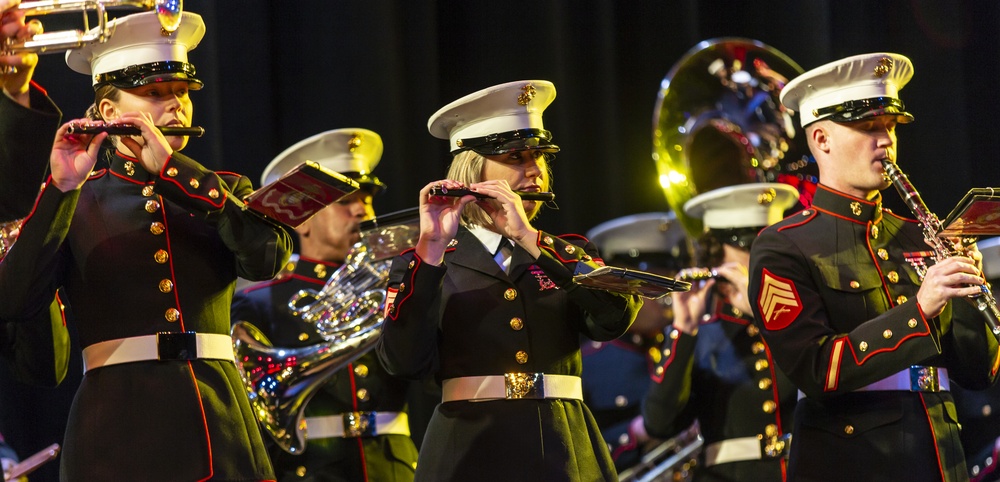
{"points": [[665, 410], [25, 142], [969, 346], [789, 310], [261, 247], [37, 350], [607, 315], [409, 341]]}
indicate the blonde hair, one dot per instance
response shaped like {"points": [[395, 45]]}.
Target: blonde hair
{"points": [[467, 167]]}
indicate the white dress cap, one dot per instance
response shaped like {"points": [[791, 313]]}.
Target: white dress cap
{"points": [[503, 108], [351, 151], [637, 234], [138, 39], [857, 78], [743, 205]]}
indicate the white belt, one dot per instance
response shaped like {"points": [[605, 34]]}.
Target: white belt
{"points": [[161, 346], [512, 386], [747, 448], [914, 379], [357, 424]]}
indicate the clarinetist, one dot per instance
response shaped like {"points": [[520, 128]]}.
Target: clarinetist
{"points": [[871, 345]]}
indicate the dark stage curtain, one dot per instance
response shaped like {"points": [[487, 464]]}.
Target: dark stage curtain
{"points": [[276, 72]]}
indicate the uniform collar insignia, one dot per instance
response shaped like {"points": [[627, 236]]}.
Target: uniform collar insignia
{"points": [[848, 207], [129, 167]]}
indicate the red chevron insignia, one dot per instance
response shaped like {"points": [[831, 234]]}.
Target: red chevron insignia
{"points": [[778, 301]]}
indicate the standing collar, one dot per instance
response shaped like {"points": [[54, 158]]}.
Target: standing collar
{"points": [[129, 168], [845, 206]]}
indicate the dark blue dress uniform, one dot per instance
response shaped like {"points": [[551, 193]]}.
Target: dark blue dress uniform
{"points": [[724, 377], [140, 254], [616, 376], [363, 386], [467, 317], [835, 298]]}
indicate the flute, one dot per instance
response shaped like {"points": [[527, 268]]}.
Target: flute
{"points": [[525, 195], [131, 130]]}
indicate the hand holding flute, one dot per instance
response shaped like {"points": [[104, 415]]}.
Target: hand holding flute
{"points": [[459, 192]]}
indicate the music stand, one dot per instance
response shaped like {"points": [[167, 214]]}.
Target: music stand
{"points": [[977, 214]]}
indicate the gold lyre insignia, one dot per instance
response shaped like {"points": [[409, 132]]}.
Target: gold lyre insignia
{"points": [[527, 93], [856, 208], [883, 67]]}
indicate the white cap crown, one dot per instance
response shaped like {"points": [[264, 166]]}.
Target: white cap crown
{"points": [[743, 205], [347, 150]]}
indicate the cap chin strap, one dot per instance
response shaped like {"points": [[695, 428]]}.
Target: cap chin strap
{"points": [[863, 108], [509, 141], [137, 75]]}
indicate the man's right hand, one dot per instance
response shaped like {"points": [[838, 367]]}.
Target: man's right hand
{"points": [[16, 69], [953, 277]]}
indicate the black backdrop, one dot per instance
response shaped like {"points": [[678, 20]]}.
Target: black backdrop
{"points": [[279, 71]]}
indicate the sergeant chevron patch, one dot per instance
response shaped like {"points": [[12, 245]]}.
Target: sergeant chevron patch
{"points": [[778, 301]]}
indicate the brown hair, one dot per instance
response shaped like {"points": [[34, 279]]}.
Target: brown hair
{"points": [[106, 91]]}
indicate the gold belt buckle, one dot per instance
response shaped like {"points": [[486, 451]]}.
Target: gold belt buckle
{"points": [[524, 385], [775, 446], [359, 424], [924, 379]]}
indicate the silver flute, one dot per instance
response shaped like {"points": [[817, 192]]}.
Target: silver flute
{"points": [[943, 247]]}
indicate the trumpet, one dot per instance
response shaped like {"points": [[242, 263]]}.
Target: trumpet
{"points": [[131, 130], [525, 195], [168, 12]]}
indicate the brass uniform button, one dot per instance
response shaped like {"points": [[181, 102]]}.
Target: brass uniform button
{"points": [[300, 471], [157, 228], [764, 383], [900, 300], [768, 406], [161, 256], [621, 401], [303, 336], [152, 206], [547, 240], [516, 323], [761, 365], [666, 352], [874, 232], [362, 394], [510, 294], [521, 356], [659, 371], [882, 253], [570, 249], [675, 334], [194, 183], [912, 323], [848, 429], [402, 287], [290, 266], [771, 430], [752, 330], [757, 348], [887, 334], [987, 410], [147, 191], [863, 346], [893, 277], [213, 193], [623, 439], [172, 315], [361, 370], [172, 172], [166, 286], [855, 284]]}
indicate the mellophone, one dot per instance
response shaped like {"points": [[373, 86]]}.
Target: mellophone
{"points": [[525, 195], [131, 130]]}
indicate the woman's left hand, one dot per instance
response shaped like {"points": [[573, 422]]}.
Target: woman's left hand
{"points": [[507, 211], [154, 151]]}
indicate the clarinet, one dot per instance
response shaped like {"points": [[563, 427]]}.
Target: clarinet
{"points": [[943, 248]]}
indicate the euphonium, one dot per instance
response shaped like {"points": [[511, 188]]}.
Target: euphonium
{"points": [[943, 247], [348, 313]]}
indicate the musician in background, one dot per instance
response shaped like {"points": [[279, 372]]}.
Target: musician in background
{"points": [[845, 313], [148, 252], [617, 373], [386, 452], [487, 305], [716, 369]]}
